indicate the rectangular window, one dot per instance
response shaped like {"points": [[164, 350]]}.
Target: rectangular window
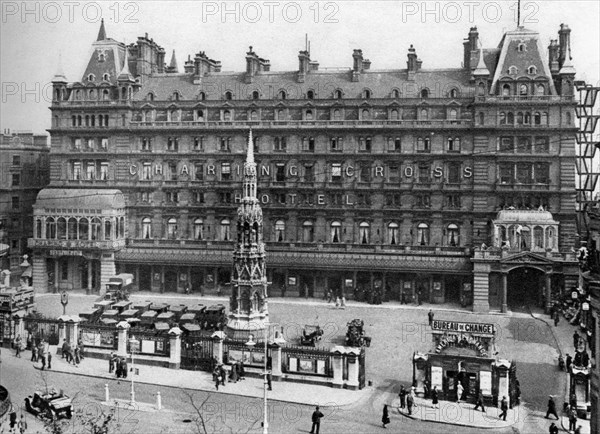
{"points": [[541, 173], [454, 173], [394, 144], [308, 144], [423, 144], [365, 172], [225, 144], [15, 202], [423, 201], [225, 171], [198, 197], [90, 170], [453, 201], [364, 144], [225, 197], [173, 171], [147, 171], [104, 143], [199, 172], [104, 171], [309, 173], [506, 173], [394, 173], [173, 144], [77, 143], [76, 170], [523, 174], [393, 199], [280, 144], [280, 173], [172, 196], [336, 144], [524, 145], [336, 172], [198, 143], [90, 143], [146, 144], [64, 269], [363, 199], [16, 160], [424, 172], [16, 179], [542, 145], [453, 144], [145, 196], [506, 144]]}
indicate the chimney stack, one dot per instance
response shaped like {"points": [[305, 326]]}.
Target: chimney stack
{"points": [[564, 40], [255, 64], [188, 66], [553, 49], [411, 63], [470, 44]]}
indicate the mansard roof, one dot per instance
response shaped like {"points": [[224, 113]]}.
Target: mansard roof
{"points": [[80, 199], [381, 83]]}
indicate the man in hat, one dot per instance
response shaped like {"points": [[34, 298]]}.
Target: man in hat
{"points": [[551, 408], [402, 396], [430, 316], [410, 401], [316, 421], [504, 408], [479, 402]]}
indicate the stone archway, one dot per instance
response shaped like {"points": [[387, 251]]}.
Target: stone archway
{"points": [[525, 288]]}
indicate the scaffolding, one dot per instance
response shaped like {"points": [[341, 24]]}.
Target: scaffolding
{"points": [[588, 155]]}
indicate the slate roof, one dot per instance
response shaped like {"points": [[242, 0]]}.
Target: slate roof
{"points": [[80, 199]]}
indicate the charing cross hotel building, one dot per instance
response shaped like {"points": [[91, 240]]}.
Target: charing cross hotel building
{"points": [[454, 184]]}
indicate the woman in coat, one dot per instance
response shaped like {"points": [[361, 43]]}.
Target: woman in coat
{"points": [[385, 418]]}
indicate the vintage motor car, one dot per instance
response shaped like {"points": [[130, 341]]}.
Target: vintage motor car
{"points": [[355, 336], [310, 335], [53, 405]]}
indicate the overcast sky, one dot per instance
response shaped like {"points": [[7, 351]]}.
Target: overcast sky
{"points": [[32, 39]]}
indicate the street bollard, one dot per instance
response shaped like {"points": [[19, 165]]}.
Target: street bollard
{"points": [[158, 401], [106, 395]]}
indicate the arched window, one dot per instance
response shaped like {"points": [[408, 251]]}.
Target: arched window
{"points": [[308, 233], [481, 89], [309, 115], [366, 115], [225, 230], [521, 47], [527, 120], [510, 118], [550, 238], [105, 76], [394, 115], [253, 115], [123, 93], [38, 228], [92, 94], [78, 95], [395, 93], [523, 90], [513, 70], [481, 118], [282, 94], [227, 116], [568, 118], [363, 233], [50, 228], [366, 94], [310, 94], [95, 229], [538, 237], [336, 228], [423, 234], [279, 231], [337, 94], [255, 95], [176, 96], [520, 118], [228, 95], [61, 228], [84, 229], [150, 97], [424, 114], [532, 70], [172, 228], [502, 118], [146, 228], [452, 235], [424, 93], [337, 115], [393, 233], [200, 115], [105, 95], [454, 93], [198, 229], [537, 118], [202, 96], [121, 227], [452, 114], [506, 90], [540, 89], [72, 228], [525, 236], [107, 229], [91, 77]]}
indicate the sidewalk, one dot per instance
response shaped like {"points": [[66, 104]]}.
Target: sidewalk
{"points": [[563, 334], [463, 414], [298, 393]]}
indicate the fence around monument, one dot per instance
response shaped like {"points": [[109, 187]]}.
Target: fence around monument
{"points": [[98, 336]]}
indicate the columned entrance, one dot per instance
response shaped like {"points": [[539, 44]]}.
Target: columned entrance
{"points": [[525, 288]]}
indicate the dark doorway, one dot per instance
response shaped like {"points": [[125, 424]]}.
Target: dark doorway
{"points": [[453, 285], [171, 281], [197, 277], [525, 288], [145, 276]]}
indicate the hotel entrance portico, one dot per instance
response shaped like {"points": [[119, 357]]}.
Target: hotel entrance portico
{"points": [[525, 287]]}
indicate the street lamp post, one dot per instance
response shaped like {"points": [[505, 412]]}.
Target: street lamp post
{"points": [[251, 344], [133, 345]]}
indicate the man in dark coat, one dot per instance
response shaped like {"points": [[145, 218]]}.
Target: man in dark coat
{"points": [[479, 402], [111, 363], [568, 362], [430, 315], [553, 428], [269, 380], [316, 421], [402, 396], [123, 367], [409, 403], [551, 408], [575, 340], [504, 408], [572, 418]]}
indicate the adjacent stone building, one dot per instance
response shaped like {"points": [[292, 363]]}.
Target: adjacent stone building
{"points": [[445, 184]]}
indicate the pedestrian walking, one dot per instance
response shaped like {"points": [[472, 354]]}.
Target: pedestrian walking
{"points": [[459, 391], [111, 363], [22, 425], [410, 401], [434, 397], [76, 355], [479, 402], [242, 370], [223, 374], [551, 408], [402, 396], [124, 367], [217, 380], [343, 303], [269, 380], [569, 361], [575, 340], [572, 418], [65, 349], [329, 296], [337, 302], [504, 408], [385, 417], [430, 315], [316, 421], [18, 343], [34, 352], [42, 353], [13, 420], [556, 318], [49, 360], [573, 400], [553, 428]]}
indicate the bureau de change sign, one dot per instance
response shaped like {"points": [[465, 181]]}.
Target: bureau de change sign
{"points": [[463, 327]]}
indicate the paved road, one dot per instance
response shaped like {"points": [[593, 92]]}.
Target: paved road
{"points": [[397, 333]]}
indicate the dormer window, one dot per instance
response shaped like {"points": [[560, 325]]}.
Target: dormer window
{"points": [[310, 94], [532, 70], [513, 70], [105, 77], [309, 115], [366, 94], [523, 90], [453, 93], [540, 89], [424, 93], [150, 97], [255, 95], [395, 93], [521, 47], [228, 96], [201, 96], [227, 116], [105, 95], [91, 77], [337, 94], [282, 94], [176, 96]]}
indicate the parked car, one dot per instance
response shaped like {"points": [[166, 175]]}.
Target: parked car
{"points": [[52, 405]]}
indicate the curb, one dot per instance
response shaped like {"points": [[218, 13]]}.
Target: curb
{"points": [[453, 423]]}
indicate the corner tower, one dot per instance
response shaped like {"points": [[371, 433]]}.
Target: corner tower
{"points": [[248, 304]]}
